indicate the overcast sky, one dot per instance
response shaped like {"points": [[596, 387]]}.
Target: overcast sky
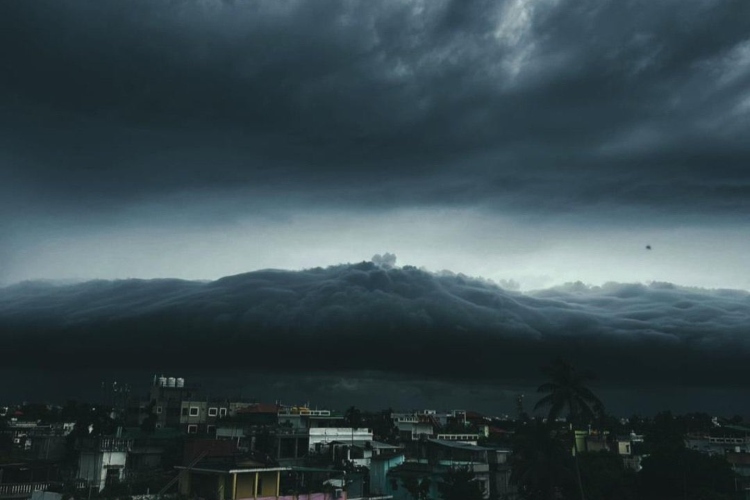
{"points": [[538, 141]]}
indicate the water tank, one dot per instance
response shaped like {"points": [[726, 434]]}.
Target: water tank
{"points": [[171, 382], [180, 382], [162, 381]]}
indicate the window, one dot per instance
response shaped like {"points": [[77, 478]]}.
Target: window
{"points": [[212, 412], [158, 409], [222, 412], [210, 429], [184, 412], [192, 429], [194, 411]]}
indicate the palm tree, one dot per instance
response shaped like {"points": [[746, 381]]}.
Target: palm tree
{"points": [[541, 463], [353, 417], [567, 392]]}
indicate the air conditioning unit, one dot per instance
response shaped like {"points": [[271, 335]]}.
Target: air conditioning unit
{"points": [[338, 493]]}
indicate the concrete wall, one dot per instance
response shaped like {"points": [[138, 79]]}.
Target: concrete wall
{"points": [[220, 485], [268, 484], [379, 473], [245, 486], [93, 466], [325, 435]]}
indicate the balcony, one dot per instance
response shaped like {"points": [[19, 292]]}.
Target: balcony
{"points": [[105, 444], [24, 490]]}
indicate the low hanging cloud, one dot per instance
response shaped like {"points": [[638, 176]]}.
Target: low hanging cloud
{"points": [[393, 321]]}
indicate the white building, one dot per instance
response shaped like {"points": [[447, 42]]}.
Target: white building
{"points": [[102, 460], [322, 437]]}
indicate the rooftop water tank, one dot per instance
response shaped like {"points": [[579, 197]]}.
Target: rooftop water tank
{"points": [[171, 382], [162, 381], [180, 382]]}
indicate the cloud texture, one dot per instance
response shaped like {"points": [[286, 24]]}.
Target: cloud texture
{"points": [[355, 318], [513, 105], [202, 138]]}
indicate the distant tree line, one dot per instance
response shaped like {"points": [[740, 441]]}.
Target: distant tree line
{"points": [[547, 465]]}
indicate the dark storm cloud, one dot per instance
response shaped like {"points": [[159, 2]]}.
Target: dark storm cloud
{"points": [[533, 106], [354, 318]]}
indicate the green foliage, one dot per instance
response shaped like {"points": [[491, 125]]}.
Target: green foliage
{"points": [[541, 463], [38, 413], [353, 417], [382, 425], [567, 393], [665, 433], [606, 477], [678, 473], [6, 442], [149, 423], [265, 442], [459, 484], [418, 489]]}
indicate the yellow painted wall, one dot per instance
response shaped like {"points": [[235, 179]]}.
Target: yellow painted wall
{"points": [[245, 485], [184, 483], [268, 484]]}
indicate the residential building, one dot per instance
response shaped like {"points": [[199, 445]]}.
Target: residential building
{"points": [[435, 461], [239, 478], [379, 467], [415, 426], [103, 460]]}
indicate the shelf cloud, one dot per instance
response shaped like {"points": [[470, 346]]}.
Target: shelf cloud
{"points": [[394, 321]]}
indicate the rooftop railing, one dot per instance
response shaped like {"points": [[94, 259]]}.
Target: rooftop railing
{"points": [[24, 490]]}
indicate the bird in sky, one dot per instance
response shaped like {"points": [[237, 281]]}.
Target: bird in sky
{"points": [[648, 247]]}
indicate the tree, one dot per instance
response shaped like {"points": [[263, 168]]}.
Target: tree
{"points": [[541, 463], [567, 393], [459, 484], [149, 423], [6, 442], [418, 489], [666, 432], [353, 417], [382, 425], [679, 473], [606, 477]]}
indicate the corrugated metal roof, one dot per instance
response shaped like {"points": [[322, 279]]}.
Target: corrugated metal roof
{"points": [[458, 445]]}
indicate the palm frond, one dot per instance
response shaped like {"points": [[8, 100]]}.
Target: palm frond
{"points": [[547, 400]]}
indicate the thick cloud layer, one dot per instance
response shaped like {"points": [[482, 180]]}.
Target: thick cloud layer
{"points": [[393, 321], [516, 105], [138, 124]]}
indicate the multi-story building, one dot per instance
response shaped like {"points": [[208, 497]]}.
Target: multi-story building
{"points": [[415, 426], [435, 461], [103, 460], [163, 403]]}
